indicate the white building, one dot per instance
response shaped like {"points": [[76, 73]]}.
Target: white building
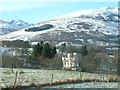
{"points": [[70, 61]]}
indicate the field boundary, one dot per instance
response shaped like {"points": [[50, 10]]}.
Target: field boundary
{"points": [[67, 81]]}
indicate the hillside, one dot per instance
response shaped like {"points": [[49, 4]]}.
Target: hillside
{"points": [[11, 26], [94, 27]]}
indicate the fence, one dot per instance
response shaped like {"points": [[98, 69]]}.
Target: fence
{"points": [[26, 77]]}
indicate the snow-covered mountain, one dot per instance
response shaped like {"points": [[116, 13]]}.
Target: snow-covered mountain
{"points": [[98, 27], [11, 26]]}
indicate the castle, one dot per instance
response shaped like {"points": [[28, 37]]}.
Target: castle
{"points": [[70, 61]]}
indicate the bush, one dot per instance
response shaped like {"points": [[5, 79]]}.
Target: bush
{"points": [[11, 62], [54, 63]]}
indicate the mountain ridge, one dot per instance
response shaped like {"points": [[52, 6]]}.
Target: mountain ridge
{"points": [[11, 26], [77, 28]]}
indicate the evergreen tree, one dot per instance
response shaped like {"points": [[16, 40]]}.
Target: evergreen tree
{"points": [[84, 51], [63, 47], [37, 49], [41, 42], [53, 52], [46, 50], [35, 53]]}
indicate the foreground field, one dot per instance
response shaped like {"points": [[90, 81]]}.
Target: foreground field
{"points": [[25, 77]]}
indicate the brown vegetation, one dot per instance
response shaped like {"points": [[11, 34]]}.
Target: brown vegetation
{"points": [[77, 80]]}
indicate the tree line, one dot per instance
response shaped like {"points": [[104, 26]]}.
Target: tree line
{"points": [[44, 27], [93, 58], [45, 55], [44, 50], [83, 50], [16, 43]]}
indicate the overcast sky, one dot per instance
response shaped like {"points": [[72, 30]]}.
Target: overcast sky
{"points": [[38, 11]]}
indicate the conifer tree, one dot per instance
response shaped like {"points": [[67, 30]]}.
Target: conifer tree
{"points": [[84, 51], [46, 50], [54, 51], [37, 49]]}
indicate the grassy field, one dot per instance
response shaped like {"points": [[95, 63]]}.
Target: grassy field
{"points": [[28, 76]]}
